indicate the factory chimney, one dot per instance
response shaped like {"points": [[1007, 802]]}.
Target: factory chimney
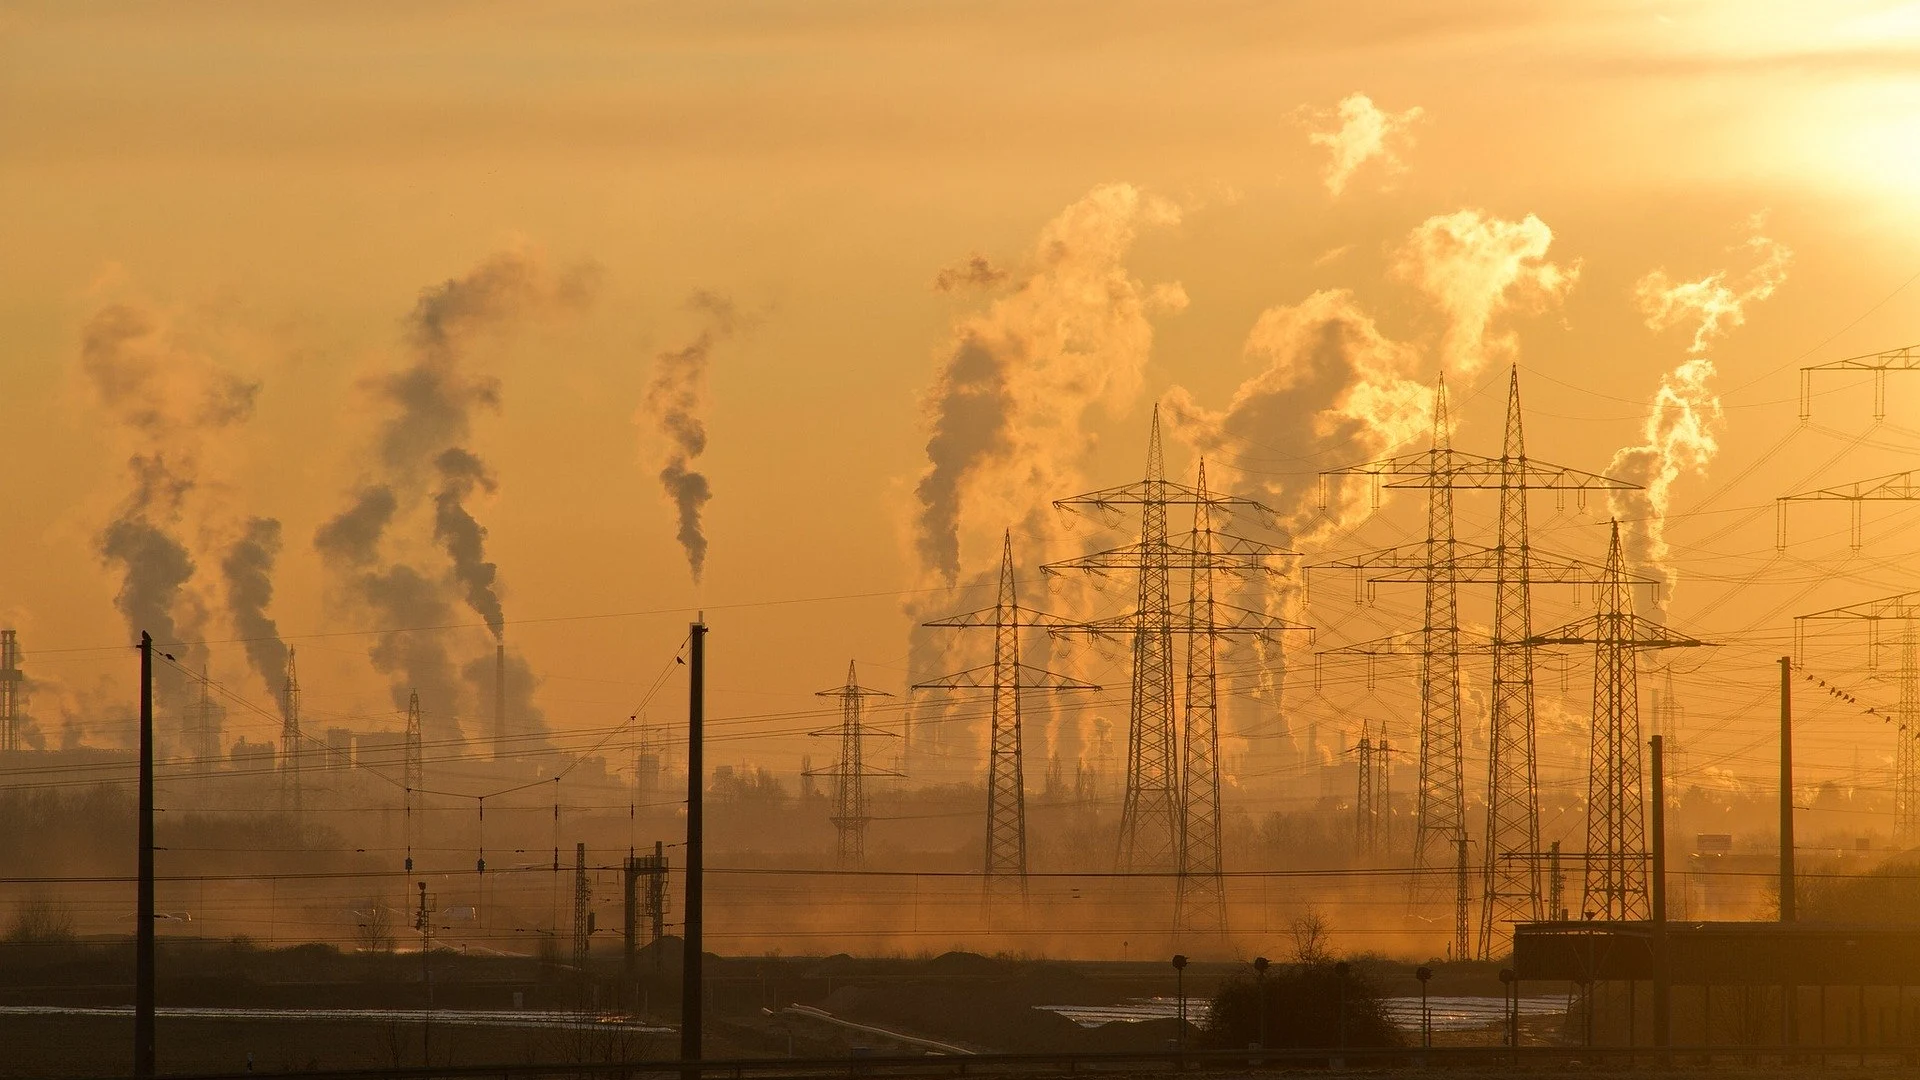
{"points": [[499, 702]]}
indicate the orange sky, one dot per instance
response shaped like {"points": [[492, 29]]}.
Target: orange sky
{"points": [[276, 187]]}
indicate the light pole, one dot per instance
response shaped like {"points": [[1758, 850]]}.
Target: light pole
{"points": [[1511, 994], [1180, 993], [1340, 969], [1260, 964], [1424, 973]]}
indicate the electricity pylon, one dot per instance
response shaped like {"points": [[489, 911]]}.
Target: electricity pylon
{"points": [[1894, 487], [1510, 887], [1904, 609], [290, 737], [1154, 809], [1880, 363], [1007, 677], [1616, 879], [850, 813], [1366, 823]]}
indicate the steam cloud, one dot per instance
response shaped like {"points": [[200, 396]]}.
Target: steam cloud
{"points": [[1004, 412], [1682, 425], [248, 570], [170, 404], [676, 400], [424, 461], [1475, 267], [1365, 133]]}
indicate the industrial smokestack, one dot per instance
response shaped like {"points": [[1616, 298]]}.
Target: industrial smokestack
{"points": [[499, 701]]}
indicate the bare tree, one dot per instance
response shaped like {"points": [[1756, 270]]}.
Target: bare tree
{"points": [[40, 920], [373, 927], [1312, 937]]}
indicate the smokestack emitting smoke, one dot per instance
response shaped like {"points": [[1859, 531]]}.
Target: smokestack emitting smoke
{"points": [[248, 569], [169, 404], [676, 401], [1364, 134], [1004, 413], [424, 459], [500, 701], [1680, 432]]}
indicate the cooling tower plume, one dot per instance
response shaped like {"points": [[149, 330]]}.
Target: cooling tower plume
{"points": [[676, 404], [1680, 434], [1070, 329], [1362, 133], [168, 405], [1476, 267], [248, 570], [463, 538]]}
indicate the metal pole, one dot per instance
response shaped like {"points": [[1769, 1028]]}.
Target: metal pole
{"points": [[1661, 982], [690, 1000], [1789, 993], [144, 1061]]}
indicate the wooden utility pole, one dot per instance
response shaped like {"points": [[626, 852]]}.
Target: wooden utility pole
{"points": [[690, 1001], [144, 1062]]}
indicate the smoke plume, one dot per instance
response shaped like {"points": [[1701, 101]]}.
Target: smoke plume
{"points": [[168, 404], [1364, 133], [1680, 435], [1003, 416], [676, 401], [1475, 267], [424, 475], [463, 538], [248, 569]]}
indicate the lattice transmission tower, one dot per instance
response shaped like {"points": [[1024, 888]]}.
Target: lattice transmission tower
{"points": [[1366, 820], [12, 692], [1902, 609], [1510, 886], [1170, 815], [1880, 364], [290, 737], [1007, 678], [851, 815], [1617, 853]]}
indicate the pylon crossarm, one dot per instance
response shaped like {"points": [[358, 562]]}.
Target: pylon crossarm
{"points": [[1899, 606], [852, 691], [1491, 474], [1893, 487], [1482, 567], [1411, 643], [1901, 359], [1223, 618], [1031, 679], [1421, 463], [1132, 557], [1164, 493], [991, 617]]}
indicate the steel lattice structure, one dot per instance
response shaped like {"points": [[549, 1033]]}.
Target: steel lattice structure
{"points": [[1616, 877], [850, 814], [1894, 487], [1906, 358], [1007, 678], [12, 695], [1510, 887], [1154, 808], [290, 737], [1904, 609]]}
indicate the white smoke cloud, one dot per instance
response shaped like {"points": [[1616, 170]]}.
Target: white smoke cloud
{"points": [[1072, 329], [1364, 133], [1476, 267], [1680, 435]]}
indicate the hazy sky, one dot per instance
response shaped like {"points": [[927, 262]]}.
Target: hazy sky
{"points": [[263, 195]]}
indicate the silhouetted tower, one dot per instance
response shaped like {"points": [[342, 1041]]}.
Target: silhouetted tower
{"points": [[500, 702], [1440, 811], [290, 737], [1154, 806], [850, 814], [1200, 901], [1383, 794], [1881, 364], [1904, 610], [12, 692], [413, 776], [582, 910], [1006, 678], [1617, 855], [1511, 880], [1366, 821]]}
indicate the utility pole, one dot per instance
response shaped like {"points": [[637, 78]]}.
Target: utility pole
{"points": [[423, 922], [1007, 678], [850, 813], [1662, 976], [1616, 882], [144, 1058], [690, 963], [1789, 992]]}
